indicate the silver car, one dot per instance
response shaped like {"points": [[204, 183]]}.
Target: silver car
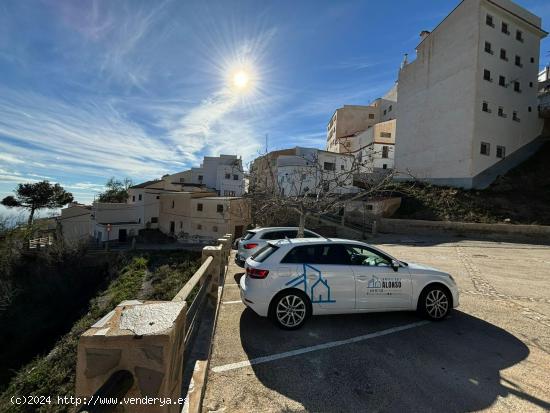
{"points": [[256, 238]]}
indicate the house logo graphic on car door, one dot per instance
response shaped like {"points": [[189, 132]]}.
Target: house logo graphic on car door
{"points": [[318, 291]]}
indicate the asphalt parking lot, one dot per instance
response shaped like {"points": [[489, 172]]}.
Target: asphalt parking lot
{"points": [[493, 353]]}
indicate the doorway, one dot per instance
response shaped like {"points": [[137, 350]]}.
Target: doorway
{"points": [[122, 235]]}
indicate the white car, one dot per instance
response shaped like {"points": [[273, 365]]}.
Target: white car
{"points": [[256, 238], [290, 280]]}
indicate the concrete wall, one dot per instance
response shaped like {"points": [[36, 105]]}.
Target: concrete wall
{"points": [[407, 226], [349, 120]]}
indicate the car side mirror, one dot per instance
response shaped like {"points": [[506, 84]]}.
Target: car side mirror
{"points": [[395, 265]]}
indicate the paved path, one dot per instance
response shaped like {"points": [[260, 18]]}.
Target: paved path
{"points": [[493, 353]]}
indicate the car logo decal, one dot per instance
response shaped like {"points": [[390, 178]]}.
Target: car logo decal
{"points": [[319, 291]]}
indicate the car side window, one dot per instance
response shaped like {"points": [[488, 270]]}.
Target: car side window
{"points": [[304, 254], [367, 257], [334, 254], [273, 235], [290, 234]]}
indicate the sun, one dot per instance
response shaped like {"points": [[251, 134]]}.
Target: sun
{"points": [[241, 79]]}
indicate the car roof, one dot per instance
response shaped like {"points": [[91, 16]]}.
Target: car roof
{"points": [[276, 229], [305, 241]]}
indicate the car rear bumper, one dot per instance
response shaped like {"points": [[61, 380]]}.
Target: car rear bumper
{"points": [[253, 296]]}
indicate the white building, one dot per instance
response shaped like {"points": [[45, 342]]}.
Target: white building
{"points": [[468, 103], [222, 173], [201, 216], [309, 168], [75, 221]]}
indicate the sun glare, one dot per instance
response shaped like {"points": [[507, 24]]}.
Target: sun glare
{"points": [[241, 79]]}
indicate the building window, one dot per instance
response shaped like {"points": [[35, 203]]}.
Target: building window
{"points": [[342, 167], [385, 134], [501, 151], [532, 60], [329, 166], [199, 207], [235, 177], [501, 112], [227, 176], [518, 61], [182, 180], [158, 197], [515, 116], [154, 220], [139, 197], [385, 152], [371, 115], [485, 148], [199, 226], [385, 111], [219, 208], [200, 177], [488, 48], [215, 228], [487, 75], [485, 107], [504, 28], [502, 81], [517, 87], [133, 198], [173, 204], [529, 109], [390, 108], [503, 54], [489, 20], [519, 35], [181, 224]]}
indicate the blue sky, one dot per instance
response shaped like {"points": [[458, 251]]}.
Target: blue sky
{"points": [[94, 89]]}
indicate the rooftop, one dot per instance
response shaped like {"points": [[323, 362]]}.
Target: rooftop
{"points": [[146, 184]]}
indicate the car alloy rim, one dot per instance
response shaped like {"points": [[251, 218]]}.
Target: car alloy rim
{"points": [[291, 310], [437, 303]]}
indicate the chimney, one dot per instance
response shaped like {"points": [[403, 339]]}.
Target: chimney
{"points": [[405, 61], [424, 34]]}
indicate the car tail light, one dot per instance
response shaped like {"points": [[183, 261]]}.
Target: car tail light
{"points": [[256, 273], [250, 246]]}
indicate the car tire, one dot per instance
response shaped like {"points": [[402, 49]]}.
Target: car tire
{"points": [[290, 309], [435, 303]]}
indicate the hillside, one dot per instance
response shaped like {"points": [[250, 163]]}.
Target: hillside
{"points": [[522, 196]]}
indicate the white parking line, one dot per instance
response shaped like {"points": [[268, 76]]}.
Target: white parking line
{"points": [[232, 302], [330, 344]]}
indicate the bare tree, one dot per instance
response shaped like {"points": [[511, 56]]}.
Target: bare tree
{"points": [[313, 182]]}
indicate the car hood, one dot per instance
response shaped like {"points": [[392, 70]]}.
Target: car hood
{"points": [[413, 266]]}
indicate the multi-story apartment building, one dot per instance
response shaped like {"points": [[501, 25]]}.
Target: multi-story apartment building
{"points": [[375, 148], [349, 120], [222, 173], [468, 102]]}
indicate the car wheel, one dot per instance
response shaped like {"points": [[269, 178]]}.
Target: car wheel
{"points": [[290, 310], [435, 303]]}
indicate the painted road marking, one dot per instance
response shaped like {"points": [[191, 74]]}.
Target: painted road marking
{"points": [[232, 302], [330, 344]]}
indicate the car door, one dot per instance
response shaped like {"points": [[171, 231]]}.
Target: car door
{"points": [[323, 272], [378, 285]]}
